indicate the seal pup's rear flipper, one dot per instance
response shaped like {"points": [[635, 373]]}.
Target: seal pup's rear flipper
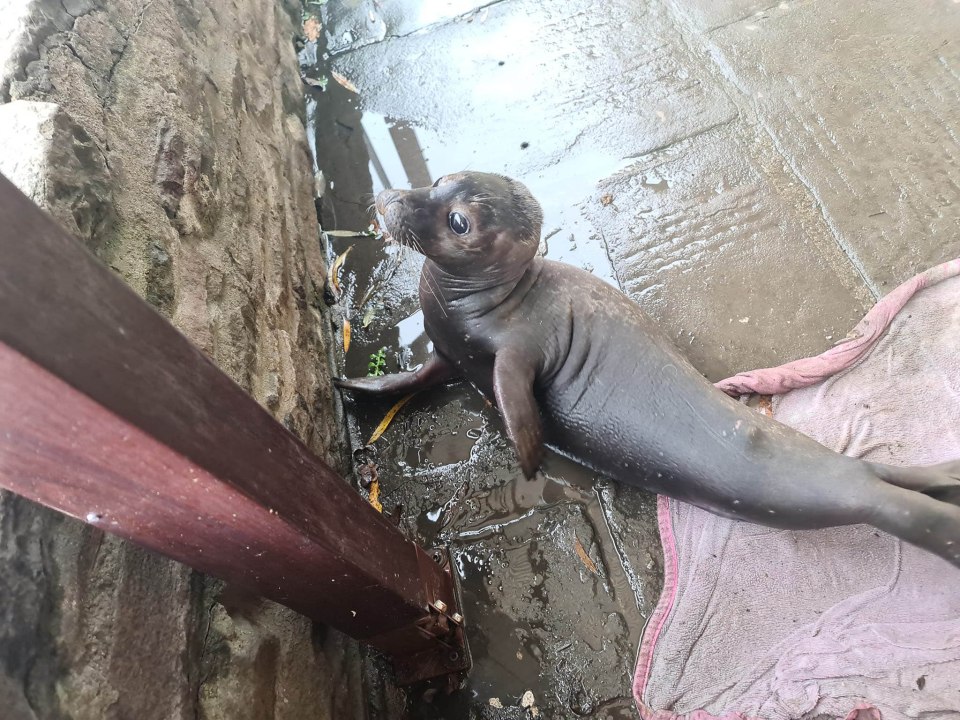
{"points": [[941, 482], [513, 377], [919, 519], [437, 369]]}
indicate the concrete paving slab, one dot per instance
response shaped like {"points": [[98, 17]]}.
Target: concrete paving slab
{"points": [[867, 119], [355, 23], [566, 109], [535, 82], [724, 247], [709, 15]]}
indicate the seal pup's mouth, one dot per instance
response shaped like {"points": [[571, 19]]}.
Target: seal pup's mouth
{"points": [[390, 211], [377, 220], [383, 230], [379, 227]]}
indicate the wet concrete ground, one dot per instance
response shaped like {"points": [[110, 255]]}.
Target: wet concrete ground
{"points": [[754, 175]]}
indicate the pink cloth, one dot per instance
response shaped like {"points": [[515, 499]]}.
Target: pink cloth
{"points": [[762, 624], [808, 371]]}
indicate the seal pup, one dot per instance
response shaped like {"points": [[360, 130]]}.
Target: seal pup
{"points": [[572, 363]]}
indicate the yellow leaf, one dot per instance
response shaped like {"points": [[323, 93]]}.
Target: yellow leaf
{"points": [[388, 418], [375, 496], [346, 233], [343, 80], [346, 335], [334, 276], [584, 558]]}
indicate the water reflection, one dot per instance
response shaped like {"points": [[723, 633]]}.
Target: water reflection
{"points": [[396, 157], [404, 156]]}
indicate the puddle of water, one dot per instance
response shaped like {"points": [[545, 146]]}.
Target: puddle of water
{"points": [[513, 585], [359, 22], [403, 155]]}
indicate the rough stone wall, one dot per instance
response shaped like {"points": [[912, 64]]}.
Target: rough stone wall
{"points": [[167, 135]]}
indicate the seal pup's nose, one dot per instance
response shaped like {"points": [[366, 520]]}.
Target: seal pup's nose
{"points": [[386, 197]]}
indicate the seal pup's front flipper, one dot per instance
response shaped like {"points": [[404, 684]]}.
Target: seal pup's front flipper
{"points": [[437, 369], [513, 377]]}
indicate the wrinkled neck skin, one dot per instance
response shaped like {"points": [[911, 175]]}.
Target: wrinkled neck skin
{"points": [[471, 296]]}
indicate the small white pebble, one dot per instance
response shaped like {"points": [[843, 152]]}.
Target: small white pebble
{"points": [[495, 702], [527, 700]]}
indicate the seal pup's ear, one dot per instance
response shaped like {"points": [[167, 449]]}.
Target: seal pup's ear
{"points": [[527, 211]]}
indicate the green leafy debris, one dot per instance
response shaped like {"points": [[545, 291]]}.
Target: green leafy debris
{"points": [[378, 363]]}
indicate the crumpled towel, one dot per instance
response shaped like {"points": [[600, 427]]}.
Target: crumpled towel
{"points": [[757, 623], [808, 371]]}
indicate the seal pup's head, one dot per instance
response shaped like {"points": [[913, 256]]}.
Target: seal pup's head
{"points": [[469, 223]]}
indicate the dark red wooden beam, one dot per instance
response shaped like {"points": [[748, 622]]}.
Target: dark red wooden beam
{"points": [[110, 415]]}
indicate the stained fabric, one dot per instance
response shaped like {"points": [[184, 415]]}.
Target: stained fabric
{"points": [[758, 623]]}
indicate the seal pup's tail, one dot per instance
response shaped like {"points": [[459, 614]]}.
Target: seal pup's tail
{"points": [[921, 505]]}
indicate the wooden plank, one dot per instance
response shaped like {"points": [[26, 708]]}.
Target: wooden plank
{"points": [[110, 415]]}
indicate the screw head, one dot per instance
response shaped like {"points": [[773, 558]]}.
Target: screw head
{"points": [[440, 606], [457, 618]]}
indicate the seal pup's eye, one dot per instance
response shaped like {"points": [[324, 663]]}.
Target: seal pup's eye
{"points": [[459, 223]]}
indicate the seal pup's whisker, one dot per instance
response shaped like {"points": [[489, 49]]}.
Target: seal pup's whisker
{"points": [[429, 279]]}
